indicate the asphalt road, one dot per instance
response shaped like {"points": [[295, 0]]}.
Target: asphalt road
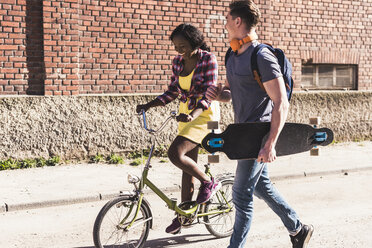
{"points": [[339, 206]]}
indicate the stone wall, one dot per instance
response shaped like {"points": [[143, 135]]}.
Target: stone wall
{"points": [[76, 127]]}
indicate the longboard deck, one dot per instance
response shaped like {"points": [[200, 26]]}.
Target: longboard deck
{"points": [[244, 141]]}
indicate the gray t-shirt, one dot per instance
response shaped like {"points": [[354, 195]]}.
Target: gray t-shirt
{"points": [[250, 102]]}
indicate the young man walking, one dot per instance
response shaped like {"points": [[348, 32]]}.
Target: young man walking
{"points": [[253, 104]]}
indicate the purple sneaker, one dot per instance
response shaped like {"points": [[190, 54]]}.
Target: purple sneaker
{"points": [[175, 227], [207, 190]]}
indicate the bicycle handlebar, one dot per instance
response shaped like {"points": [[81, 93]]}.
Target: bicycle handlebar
{"points": [[173, 114]]}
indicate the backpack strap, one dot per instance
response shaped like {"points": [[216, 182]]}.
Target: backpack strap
{"points": [[227, 55], [254, 64]]}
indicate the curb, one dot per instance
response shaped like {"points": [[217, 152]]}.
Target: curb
{"points": [[69, 201], [320, 173], [107, 196], [50, 203]]}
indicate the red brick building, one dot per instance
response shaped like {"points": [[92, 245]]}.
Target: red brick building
{"points": [[71, 47]]}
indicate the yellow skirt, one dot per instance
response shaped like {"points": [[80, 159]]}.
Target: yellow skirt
{"points": [[197, 129]]}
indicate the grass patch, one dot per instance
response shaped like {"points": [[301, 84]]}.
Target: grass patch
{"points": [[53, 161], [137, 161], [98, 158], [115, 159], [139, 157], [160, 151], [12, 164], [8, 164], [135, 154]]}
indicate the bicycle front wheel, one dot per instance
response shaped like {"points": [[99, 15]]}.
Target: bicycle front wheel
{"points": [[221, 224], [112, 226]]}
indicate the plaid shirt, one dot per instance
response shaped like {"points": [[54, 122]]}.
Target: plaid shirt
{"points": [[205, 75]]}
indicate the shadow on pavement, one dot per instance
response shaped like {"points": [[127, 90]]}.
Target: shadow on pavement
{"points": [[178, 240], [172, 241]]}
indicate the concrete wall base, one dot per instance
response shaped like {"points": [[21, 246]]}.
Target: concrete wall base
{"points": [[77, 127]]}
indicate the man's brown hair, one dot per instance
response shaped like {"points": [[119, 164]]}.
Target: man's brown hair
{"points": [[247, 10]]}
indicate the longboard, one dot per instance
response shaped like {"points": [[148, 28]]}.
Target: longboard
{"points": [[244, 140]]}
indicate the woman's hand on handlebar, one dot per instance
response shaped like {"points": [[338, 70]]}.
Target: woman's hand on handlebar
{"points": [[184, 118], [141, 107], [154, 103]]}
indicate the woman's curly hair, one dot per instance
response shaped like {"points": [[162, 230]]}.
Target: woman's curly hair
{"points": [[192, 35]]}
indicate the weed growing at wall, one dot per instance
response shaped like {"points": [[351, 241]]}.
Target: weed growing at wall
{"points": [[138, 161], [160, 151], [115, 159], [98, 158], [136, 157], [12, 164]]}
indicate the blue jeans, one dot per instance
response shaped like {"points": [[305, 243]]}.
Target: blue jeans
{"points": [[252, 178]]}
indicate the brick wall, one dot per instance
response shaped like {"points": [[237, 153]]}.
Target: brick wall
{"points": [[319, 31], [62, 46], [119, 46], [22, 68], [71, 47]]}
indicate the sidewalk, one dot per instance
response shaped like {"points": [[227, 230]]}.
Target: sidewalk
{"points": [[67, 184]]}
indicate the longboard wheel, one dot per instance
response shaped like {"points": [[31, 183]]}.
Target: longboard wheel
{"points": [[315, 120], [213, 159], [315, 152], [212, 125]]}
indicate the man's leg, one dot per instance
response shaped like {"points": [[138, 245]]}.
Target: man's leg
{"points": [[247, 174], [300, 234], [266, 191]]}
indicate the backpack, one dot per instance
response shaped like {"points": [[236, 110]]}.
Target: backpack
{"points": [[285, 66]]}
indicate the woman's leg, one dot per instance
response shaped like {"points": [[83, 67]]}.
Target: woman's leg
{"points": [[183, 153], [177, 155], [188, 181]]}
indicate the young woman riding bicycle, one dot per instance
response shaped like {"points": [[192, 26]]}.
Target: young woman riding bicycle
{"points": [[194, 70]]}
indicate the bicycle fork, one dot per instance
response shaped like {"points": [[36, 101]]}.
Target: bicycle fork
{"points": [[132, 223]]}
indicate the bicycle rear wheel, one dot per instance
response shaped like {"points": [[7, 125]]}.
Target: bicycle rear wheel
{"points": [[221, 225], [108, 232]]}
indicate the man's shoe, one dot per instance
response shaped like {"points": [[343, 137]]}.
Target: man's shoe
{"points": [[207, 190], [302, 238], [175, 227]]}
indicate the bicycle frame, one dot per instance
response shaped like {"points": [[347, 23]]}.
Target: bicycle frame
{"points": [[172, 204]]}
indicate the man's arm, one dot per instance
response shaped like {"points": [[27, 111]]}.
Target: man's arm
{"points": [[219, 93], [276, 90]]}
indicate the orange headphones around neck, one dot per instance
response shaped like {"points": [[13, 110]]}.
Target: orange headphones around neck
{"points": [[235, 44]]}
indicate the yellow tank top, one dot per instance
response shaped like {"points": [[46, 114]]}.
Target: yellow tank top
{"points": [[185, 82], [197, 129]]}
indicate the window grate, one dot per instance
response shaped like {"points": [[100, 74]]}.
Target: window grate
{"points": [[329, 76]]}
